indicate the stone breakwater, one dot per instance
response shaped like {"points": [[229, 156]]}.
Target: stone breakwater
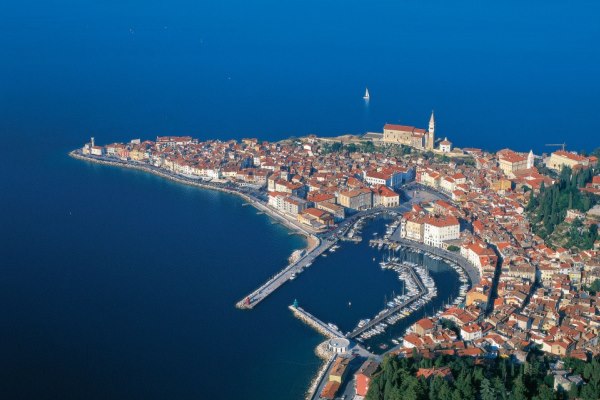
{"points": [[314, 383], [315, 323]]}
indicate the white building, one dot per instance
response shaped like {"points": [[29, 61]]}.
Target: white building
{"points": [[97, 150], [445, 146], [391, 177], [440, 229], [471, 332], [338, 345], [530, 160]]}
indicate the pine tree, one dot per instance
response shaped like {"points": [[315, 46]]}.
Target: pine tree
{"points": [[545, 393], [532, 204], [519, 391], [487, 391], [445, 393], [500, 389]]}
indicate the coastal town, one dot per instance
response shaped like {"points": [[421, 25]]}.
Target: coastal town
{"points": [[532, 287]]}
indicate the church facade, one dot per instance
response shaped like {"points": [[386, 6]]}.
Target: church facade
{"points": [[411, 136]]}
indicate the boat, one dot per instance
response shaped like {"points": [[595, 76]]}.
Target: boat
{"points": [[292, 277], [366, 96]]}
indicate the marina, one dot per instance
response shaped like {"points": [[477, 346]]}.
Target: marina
{"points": [[415, 291], [348, 230], [424, 284]]}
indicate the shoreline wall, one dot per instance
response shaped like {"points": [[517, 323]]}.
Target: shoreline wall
{"points": [[311, 240], [189, 182]]}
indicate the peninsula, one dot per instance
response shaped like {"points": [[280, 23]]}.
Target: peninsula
{"points": [[490, 216]]}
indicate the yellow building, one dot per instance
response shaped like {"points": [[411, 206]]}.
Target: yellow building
{"points": [[501, 185], [411, 136], [510, 162], [338, 370], [138, 154], [359, 199], [560, 159], [477, 295], [413, 229]]}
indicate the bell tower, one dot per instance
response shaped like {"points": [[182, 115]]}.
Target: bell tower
{"points": [[431, 133], [530, 160]]}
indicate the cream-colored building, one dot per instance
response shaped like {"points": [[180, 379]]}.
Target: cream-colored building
{"points": [[411, 136], [385, 197], [359, 199], [431, 179], [510, 162], [412, 226], [559, 159]]}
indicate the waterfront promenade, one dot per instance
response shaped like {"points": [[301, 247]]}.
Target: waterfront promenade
{"points": [[469, 268]]}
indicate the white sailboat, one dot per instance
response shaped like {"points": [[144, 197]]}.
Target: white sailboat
{"points": [[366, 96]]}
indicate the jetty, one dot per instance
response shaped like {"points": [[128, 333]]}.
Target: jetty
{"points": [[250, 301], [309, 319]]}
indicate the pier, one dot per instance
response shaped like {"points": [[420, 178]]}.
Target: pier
{"points": [[326, 241], [284, 275], [316, 323], [391, 311]]}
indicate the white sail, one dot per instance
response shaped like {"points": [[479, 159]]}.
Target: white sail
{"points": [[366, 96]]}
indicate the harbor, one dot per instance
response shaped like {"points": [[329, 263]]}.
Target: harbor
{"points": [[321, 246], [411, 283], [362, 242], [348, 230]]}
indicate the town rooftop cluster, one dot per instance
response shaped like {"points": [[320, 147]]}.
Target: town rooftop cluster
{"points": [[529, 294]]}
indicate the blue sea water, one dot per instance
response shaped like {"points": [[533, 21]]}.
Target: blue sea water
{"points": [[115, 284]]}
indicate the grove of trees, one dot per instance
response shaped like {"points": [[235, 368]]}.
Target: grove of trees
{"points": [[497, 379], [549, 208]]}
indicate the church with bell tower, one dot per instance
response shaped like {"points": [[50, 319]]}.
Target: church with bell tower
{"points": [[422, 139], [431, 133]]}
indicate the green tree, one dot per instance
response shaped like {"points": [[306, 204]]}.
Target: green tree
{"points": [[519, 391], [500, 389], [487, 391], [351, 148], [595, 286], [545, 393]]}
